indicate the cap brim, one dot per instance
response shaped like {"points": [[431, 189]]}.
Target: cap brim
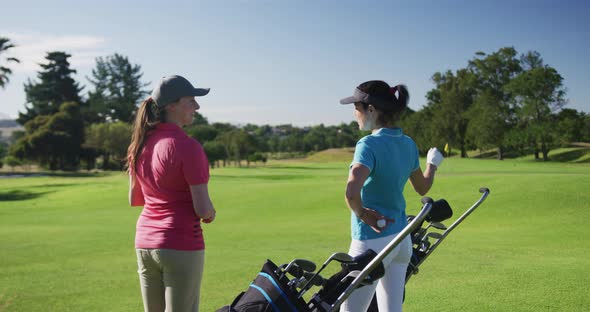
{"points": [[348, 100], [200, 91]]}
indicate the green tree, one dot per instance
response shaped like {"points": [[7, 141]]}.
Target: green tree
{"points": [[5, 72], [539, 94], [54, 141], [486, 122], [202, 133], [117, 88], [200, 120], [493, 72], [110, 140], [451, 100], [12, 162], [570, 126], [315, 139], [55, 87], [215, 152]]}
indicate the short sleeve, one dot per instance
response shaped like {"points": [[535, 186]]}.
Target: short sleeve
{"points": [[363, 155], [195, 166]]}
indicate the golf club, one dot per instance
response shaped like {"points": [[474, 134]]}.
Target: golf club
{"points": [[337, 256]]}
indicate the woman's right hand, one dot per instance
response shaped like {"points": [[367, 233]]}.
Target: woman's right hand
{"points": [[434, 157], [211, 217], [371, 217]]}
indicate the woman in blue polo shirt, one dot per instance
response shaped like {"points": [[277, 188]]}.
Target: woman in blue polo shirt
{"points": [[383, 162]]}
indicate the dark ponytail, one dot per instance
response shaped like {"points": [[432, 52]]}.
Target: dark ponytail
{"points": [[401, 101], [383, 98], [148, 116]]}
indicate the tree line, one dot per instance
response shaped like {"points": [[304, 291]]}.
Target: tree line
{"points": [[505, 101], [510, 102]]}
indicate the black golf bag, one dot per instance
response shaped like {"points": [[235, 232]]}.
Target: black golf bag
{"points": [[267, 293]]}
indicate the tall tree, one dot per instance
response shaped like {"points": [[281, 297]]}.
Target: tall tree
{"points": [[5, 72], [117, 88], [539, 94], [493, 72], [56, 86], [53, 140], [111, 140], [451, 101]]}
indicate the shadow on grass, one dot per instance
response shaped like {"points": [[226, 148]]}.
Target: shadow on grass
{"points": [[15, 195], [486, 155], [570, 155]]}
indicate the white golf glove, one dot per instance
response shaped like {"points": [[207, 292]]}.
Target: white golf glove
{"points": [[434, 157]]}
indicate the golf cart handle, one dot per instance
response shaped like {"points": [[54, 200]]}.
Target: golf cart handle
{"points": [[415, 223], [485, 192]]}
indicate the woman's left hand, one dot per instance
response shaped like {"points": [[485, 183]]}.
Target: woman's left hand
{"points": [[371, 217]]}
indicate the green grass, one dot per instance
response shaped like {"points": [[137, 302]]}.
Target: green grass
{"points": [[67, 241]]}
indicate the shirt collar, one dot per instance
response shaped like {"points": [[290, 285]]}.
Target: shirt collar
{"points": [[394, 132], [168, 127]]}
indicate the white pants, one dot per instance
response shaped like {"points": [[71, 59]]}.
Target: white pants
{"points": [[390, 288]]}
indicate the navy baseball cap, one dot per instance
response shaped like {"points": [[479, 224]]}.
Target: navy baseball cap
{"points": [[172, 88]]}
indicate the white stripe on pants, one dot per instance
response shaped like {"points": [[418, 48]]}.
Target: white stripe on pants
{"points": [[390, 288], [170, 279]]}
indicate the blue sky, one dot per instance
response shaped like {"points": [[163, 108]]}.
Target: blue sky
{"points": [[288, 61]]}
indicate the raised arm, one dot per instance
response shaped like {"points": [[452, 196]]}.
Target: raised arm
{"points": [[422, 182]]}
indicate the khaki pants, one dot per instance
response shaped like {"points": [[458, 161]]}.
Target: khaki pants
{"points": [[170, 279]]}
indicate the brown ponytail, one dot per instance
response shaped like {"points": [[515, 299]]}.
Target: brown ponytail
{"points": [[148, 116]]}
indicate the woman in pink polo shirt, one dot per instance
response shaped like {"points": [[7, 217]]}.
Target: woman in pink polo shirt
{"points": [[168, 176]]}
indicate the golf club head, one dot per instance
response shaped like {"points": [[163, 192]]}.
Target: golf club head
{"points": [[294, 270], [341, 257], [438, 226], [435, 235], [305, 265]]}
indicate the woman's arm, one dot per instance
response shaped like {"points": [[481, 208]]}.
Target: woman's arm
{"points": [[202, 202], [423, 182], [135, 193], [356, 179]]}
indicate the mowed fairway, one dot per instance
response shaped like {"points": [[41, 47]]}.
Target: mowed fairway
{"points": [[66, 242]]}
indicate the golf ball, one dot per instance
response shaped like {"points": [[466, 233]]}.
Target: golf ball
{"points": [[381, 223]]}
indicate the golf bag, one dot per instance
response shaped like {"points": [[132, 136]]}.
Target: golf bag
{"points": [[267, 293], [272, 290]]}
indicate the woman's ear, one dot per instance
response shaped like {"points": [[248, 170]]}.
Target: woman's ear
{"points": [[171, 107]]}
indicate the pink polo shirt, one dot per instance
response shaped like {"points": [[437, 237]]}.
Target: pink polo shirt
{"points": [[169, 162]]}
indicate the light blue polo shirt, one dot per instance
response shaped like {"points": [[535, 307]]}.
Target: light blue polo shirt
{"points": [[391, 157]]}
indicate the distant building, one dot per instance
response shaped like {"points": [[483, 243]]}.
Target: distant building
{"points": [[7, 127]]}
